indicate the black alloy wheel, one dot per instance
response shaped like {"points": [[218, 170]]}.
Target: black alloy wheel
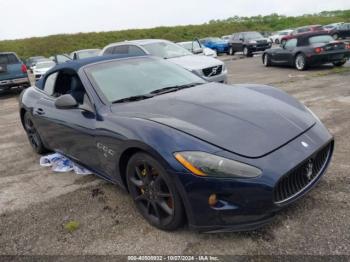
{"points": [[33, 135], [153, 192]]}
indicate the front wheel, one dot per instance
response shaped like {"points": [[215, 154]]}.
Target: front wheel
{"points": [[277, 41], [33, 135], [266, 60], [300, 62], [340, 63], [154, 193], [246, 52]]}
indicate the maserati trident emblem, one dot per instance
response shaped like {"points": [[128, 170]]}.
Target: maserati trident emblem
{"points": [[304, 144], [309, 168]]}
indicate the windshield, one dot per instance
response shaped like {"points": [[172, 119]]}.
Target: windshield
{"points": [[45, 65], [321, 39], [215, 39], [121, 79], [88, 53], [187, 45], [166, 50], [252, 35]]}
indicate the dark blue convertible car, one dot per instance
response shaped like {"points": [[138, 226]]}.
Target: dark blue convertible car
{"points": [[222, 158]]}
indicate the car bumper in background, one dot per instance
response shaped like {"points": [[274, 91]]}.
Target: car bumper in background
{"points": [[247, 204], [258, 48], [6, 84], [222, 78]]}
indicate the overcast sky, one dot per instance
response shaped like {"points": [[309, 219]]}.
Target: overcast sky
{"points": [[27, 18]]}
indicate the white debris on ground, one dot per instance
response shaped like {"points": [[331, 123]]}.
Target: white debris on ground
{"points": [[61, 164]]}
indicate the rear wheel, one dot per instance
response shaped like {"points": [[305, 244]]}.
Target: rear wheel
{"points": [[33, 135], [154, 193], [300, 62], [230, 51], [339, 63], [246, 52], [277, 41]]}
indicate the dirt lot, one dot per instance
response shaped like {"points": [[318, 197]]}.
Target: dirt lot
{"points": [[35, 203]]}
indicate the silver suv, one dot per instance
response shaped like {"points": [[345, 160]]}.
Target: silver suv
{"points": [[208, 68]]}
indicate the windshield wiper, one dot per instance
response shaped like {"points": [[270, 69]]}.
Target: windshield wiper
{"points": [[133, 98], [170, 89]]}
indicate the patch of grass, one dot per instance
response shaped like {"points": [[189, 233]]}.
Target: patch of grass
{"points": [[335, 70], [72, 226]]}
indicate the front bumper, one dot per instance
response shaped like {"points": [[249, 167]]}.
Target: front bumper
{"points": [[258, 48], [247, 204], [7, 84]]}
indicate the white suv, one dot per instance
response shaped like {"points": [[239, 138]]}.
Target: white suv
{"points": [[208, 68]]}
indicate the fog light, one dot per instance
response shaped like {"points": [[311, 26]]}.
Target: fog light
{"points": [[213, 200]]}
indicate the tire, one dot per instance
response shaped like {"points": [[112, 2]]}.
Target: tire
{"points": [[266, 60], [283, 42], [246, 52], [277, 41], [300, 62], [230, 51], [33, 135], [335, 36], [340, 63], [154, 193]]}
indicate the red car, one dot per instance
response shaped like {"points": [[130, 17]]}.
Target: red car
{"points": [[302, 30]]}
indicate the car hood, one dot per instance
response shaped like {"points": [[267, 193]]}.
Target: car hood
{"points": [[193, 62], [247, 120]]}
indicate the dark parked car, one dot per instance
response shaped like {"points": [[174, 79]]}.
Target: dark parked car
{"points": [[302, 30], [224, 158], [248, 43], [307, 50], [340, 31], [13, 72]]}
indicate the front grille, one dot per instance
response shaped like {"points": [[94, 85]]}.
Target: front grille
{"points": [[295, 181], [212, 71]]}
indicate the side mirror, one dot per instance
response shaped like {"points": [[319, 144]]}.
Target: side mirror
{"points": [[66, 102], [198, 51]]}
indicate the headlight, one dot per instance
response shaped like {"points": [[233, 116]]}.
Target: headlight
{"points": [[205, 164]]}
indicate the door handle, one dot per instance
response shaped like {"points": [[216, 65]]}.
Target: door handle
{"points": [[40, 111]]}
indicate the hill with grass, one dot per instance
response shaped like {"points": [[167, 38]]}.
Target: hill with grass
{"points": [[66, 43]]}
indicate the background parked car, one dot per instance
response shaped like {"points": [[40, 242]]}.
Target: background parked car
{"points": [[31, 61], [13, 72], [276, 37], [215, 43], [42, 67], [302, 30], [209, 68], [308, 49], [86, 53], [248, 43], [340, 31], [196, 48]]}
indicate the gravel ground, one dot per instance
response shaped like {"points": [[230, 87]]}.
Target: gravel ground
{"points": [[36, 204]]}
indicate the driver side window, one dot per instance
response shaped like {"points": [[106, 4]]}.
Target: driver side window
{"points": [[292, 43], [62, 83]]}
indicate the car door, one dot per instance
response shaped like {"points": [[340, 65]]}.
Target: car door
{"points": [[69, 131], [283, 55], [237, 42]]}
